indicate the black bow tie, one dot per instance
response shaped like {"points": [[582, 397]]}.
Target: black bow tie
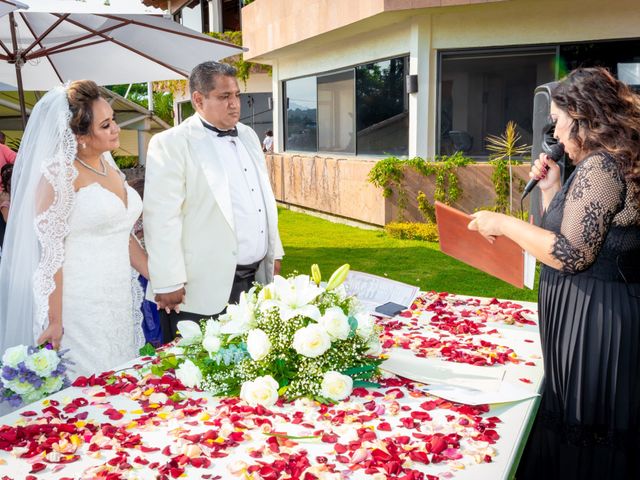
{"points": [[222, 133]]}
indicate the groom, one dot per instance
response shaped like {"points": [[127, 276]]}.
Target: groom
{"points": [[210, 217]]}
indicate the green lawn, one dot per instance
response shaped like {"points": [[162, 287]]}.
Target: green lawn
{"points": [[308, 239]]}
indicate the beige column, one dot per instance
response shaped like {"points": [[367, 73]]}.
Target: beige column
{"points": [[278, 106], [421, 123]]}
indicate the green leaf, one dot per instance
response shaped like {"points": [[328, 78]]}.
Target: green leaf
{"points": [[356, 370], [111, 380], [170, 361], [353, 325], [147, 351], [365, 384], [157, 370], [177, 397]]}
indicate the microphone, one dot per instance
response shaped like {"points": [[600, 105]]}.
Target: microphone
{"points": [[553, 149]]}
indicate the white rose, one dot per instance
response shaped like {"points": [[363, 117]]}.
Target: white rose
{"points": [[189, 374], [262, 391], [336, 386], [211, 343], [336, 323], [190, 332], [52, 384], [366, 324], [258, 344], [14, 355], [311, 341], [21, 388], [42, 362]]}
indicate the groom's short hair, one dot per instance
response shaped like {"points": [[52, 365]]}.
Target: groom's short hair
{"points": [[203, 76]]}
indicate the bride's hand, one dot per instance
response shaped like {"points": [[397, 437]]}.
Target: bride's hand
{"points": [[52, 334]]}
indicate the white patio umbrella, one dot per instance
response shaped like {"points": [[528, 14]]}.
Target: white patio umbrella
{"points": [[7, 6], [39, 50]]}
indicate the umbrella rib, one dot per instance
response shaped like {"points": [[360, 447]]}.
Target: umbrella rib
{"points": [[174, 32], [131, 49], [57, 48], [43, 35], [54, 51], [38, 40], [4, 47]]}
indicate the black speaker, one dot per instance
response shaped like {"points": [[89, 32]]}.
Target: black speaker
{"points": [[412, 83], [541, 117]]}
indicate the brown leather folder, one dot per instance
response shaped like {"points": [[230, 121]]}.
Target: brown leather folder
{"points": [[503, 258]]}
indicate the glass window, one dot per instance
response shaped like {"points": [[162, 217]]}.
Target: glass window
{"points": [[255, 111], [382, 111], [480, 93], [301, 111], [621, 57], [336, 116]]}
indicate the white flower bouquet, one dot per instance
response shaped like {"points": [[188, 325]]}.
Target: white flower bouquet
{"points": [[292, 338], [28, 374]]}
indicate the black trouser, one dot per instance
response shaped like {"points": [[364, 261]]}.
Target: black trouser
{"points": [[242, 281]]}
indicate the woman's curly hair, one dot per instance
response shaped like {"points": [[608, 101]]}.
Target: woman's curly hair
{"points": [[607, 116]]}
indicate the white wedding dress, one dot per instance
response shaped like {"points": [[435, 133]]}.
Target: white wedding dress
{"points": [[100, 302]]}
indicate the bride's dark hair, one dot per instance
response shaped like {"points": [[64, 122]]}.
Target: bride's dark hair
{"points": [[81, 95], [606, 115]]}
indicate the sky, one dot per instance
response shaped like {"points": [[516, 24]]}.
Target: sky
{"points": [[90, 6]]}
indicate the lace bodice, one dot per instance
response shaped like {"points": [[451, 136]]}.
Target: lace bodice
{"points": [[102, 330], [596, 218]]}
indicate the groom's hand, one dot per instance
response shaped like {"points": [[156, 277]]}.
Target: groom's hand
{"points": [[277, 266], [170, 301]]}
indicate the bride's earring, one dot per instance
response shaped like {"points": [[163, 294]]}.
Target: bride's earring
{"points": [[83, 145]]}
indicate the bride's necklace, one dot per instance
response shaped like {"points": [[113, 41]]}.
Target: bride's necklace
{"points": [[102, 173]]}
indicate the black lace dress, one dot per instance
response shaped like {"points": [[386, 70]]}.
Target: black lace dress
{"points": [[588, 425]]}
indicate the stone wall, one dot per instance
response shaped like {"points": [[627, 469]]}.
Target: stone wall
{"points": [[339, 186]]}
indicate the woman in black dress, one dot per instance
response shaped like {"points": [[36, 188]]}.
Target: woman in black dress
{"points": [[588, 425]]}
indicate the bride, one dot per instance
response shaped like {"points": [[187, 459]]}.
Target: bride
{"points": [[65, 275]]}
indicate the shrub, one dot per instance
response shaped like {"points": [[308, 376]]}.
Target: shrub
{"points": [[126, 162], [412, 231]]}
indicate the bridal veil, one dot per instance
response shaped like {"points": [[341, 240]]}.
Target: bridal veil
{"points": [[42, 197]]}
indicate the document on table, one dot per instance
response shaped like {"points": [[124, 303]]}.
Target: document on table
{"points": [[457, 382], [373, 291], [507, 392]]}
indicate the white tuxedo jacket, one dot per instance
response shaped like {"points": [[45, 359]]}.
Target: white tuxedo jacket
{"points": [[188, 219]]}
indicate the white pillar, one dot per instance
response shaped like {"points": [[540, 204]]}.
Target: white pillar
{"points": [[143, 142], [215, 15], [421, 123], [278, 106]]}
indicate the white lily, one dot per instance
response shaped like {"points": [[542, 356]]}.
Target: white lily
{"points": [[239, 318], [293, 297], [190, 332]]}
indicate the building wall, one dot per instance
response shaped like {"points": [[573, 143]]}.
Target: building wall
{"points": [[422, 32], [341, 35], [339, 186]]}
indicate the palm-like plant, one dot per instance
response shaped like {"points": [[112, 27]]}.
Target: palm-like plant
{"points": [[505, 147]]}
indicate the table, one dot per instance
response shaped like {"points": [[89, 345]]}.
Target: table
{"points": [[127, 426]]}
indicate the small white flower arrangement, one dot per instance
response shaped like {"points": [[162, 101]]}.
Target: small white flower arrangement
{"points": [[292, 338], [28, 374]]}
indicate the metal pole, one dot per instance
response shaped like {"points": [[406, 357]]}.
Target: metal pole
{"points": [[150, 96], [18, 66]]}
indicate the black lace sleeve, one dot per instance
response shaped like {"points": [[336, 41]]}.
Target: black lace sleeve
{"points": [[592, 201]]}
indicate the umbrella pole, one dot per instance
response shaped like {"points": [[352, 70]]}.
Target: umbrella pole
{"points": [[18, 65]]}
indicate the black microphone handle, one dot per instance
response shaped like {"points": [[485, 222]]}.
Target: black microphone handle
{"points": [[531, 185]]}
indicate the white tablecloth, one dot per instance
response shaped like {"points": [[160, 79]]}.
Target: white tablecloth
{"points": [[129, 429]]}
